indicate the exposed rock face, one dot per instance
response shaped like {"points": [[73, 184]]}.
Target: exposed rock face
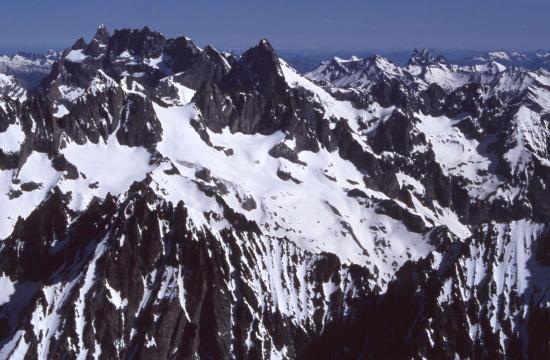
{"points": [[165, 201]]}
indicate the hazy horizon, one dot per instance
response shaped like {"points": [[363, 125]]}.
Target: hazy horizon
{"points": [[12, 50]]}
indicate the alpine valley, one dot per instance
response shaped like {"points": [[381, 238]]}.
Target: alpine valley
{"points": [[159, 200]]}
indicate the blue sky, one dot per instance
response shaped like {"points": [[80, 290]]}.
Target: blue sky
{"points": [[289, 25]]}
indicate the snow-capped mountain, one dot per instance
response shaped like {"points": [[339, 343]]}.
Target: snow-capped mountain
{"points": [[356, 72], [11, 87], [28, 68], [160, 200], [530, 60], [423, 70]]}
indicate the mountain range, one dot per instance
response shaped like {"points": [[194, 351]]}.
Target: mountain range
{"points": [[27, 67], [162, 200], [305, 61], [30, 67]]}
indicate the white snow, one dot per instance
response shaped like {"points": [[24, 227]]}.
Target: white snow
{"points": [[184, 94], [16, 348], [284, 207], [107, 168], [530, 136], [405, 180], [60, 111], [12, 138], [37, 169], [168, 287], [458, 155], [22, 64], [88, 282], [356, 72], [101, 82], [332, 107], [70, 93], [447, 78], [6, 289], [507, 264], [451, 148], [499, 55], [46, 317], [6, 80], [150, 341], [110, 166], [10, 87], [75, 56], [362, 73], [115, 298]]}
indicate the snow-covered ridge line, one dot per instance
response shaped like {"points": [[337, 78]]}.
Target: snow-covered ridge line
{"points": [[423, 69]]}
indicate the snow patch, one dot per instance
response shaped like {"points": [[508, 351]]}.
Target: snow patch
{"points": [[7, 288], [75, 56], [115, 298]]}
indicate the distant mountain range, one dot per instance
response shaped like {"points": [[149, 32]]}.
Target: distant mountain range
{"points": [[424, 69], [529, 60], [307, 61], [28, 68]]}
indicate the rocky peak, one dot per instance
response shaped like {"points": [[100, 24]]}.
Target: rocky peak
{"points": [[357, 72], [421, 57], [79, 44], [144, 42], [425, 57], [102, 34], [380, 63], [262, 56], [182, 52], [258, 69], [213, 53], [98, 44], [334, 65]]}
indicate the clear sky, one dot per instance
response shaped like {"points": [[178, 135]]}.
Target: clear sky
{"points": [[289, 25]]}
